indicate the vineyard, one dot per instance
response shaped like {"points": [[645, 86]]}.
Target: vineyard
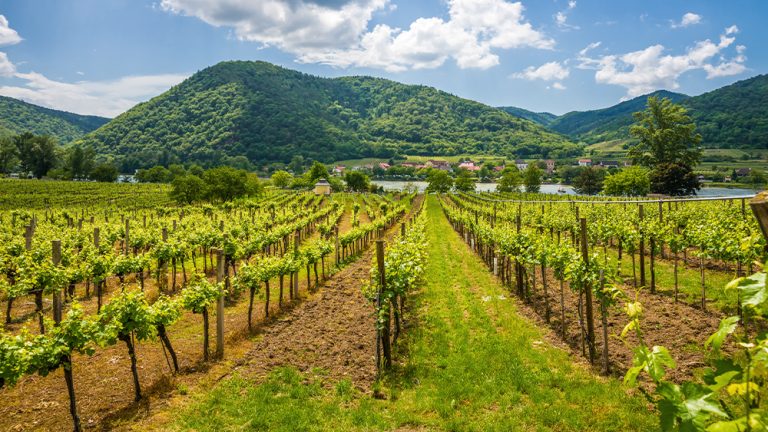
{"points": [[117, 306], [85, 285]]}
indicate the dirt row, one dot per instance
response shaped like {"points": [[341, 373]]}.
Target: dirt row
{"points": [[103, 382], [679, 327]]}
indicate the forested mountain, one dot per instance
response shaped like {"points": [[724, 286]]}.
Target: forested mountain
{"points": [[734, 116], [608, 123], [270, 114], [542, 118], [18, 116]]}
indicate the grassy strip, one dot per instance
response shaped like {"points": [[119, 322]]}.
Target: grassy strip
{"points": [[472, 363]]}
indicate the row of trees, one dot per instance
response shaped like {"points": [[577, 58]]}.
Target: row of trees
{"points": [[214, 185], [511, 180], [354, 181], [41, 156]]}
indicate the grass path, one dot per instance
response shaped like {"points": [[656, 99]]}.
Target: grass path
{"points": [[469, 362]]}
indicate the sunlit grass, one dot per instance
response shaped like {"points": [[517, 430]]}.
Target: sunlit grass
{"points": [[468, 362]]}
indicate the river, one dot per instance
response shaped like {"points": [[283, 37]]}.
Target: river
{"points": [[553, 188]]}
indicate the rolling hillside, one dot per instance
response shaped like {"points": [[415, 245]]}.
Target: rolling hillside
{"points": [[270, 114], [606, 124], [731, 117], [542, 118], [17, 117]]}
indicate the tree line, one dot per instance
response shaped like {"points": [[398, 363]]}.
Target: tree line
{"points": [[41, 155]]}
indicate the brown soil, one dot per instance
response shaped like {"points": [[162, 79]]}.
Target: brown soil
{"points": [[679, 327], [330, 329]]}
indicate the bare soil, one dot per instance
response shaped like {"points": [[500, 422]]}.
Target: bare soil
{"points": [[330, 329]]}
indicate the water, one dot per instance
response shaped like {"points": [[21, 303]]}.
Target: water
{"points": [[553, 188]]}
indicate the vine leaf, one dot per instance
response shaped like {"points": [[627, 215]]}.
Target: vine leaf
{"points": [[727, 326]]}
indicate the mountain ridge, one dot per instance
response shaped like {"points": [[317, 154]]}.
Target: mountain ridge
{"points": [[265, 113], [18, 116]]}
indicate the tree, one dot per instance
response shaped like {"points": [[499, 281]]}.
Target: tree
{"points": [[674, 179], [439, 181], [25, 144], [487, 172], [668, 144], [105, 172], [316, 172], [297, 164], [156, 174], [357, 181], [281, 179], [36, 153], [465, 181], [510, 180], [532, 178], [187, 189], [225, 183], [8, 155], [756, 178], [589, 181], [79, 161], [568, 173], [632, 181], [253, 185]]}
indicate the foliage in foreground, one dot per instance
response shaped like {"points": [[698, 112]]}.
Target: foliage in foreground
{"points": [[730, 398]]}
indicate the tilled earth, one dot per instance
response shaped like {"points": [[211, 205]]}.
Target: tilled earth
{"points": [[680, 327], [332, 329]]}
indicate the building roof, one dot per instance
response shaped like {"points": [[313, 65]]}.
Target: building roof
{"points": [[322, 182]]}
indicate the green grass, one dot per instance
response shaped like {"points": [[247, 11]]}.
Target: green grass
{"points": [[612, 146], [470, 363]]}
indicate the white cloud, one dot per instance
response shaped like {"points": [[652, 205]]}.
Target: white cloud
{"points": [[337, 34], [732, 30], [561, 18], [8, 36], [7, 68], [292, 25], [688, 19], [646, 70], [552, 71], [558, 86], [106, 98], [589, 48]]}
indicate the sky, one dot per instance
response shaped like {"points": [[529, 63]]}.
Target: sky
{"points": [[101, 57]]}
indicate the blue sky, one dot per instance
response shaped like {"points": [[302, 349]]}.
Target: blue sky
{"points": [[103, 56]]}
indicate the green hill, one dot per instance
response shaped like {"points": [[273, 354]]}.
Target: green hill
{"points": [[270, 114], [17, 117], [734, 116], [731, 117], [542, 118], [606, 124]]}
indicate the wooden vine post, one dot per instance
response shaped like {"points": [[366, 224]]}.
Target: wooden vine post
{"points": [[295, 288], [56, 259], [759, 205], [382, 322], [588, 293], [642, 249], [127, 236], [220, 305]]}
